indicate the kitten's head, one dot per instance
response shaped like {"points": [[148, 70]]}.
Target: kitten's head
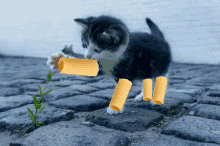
{"points": [[103, 37]]}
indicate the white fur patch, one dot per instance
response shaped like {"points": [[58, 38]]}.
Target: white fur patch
{"points": [[139, 97], [113, 112], [86, 53]]}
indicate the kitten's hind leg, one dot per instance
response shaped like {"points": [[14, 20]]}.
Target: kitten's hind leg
{"points": [[154, 81], [139, 97]]}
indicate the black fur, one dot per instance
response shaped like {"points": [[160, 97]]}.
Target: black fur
{"points": [[154, 29], [146, 57]]}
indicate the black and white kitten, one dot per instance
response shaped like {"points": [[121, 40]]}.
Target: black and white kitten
{"points": [[124, 54]]}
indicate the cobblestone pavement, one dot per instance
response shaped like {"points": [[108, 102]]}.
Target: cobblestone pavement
{"points": [[75, 112]]}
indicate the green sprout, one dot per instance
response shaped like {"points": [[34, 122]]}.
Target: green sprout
{"points": [[158, 124], [38, 104], [173, 110]]}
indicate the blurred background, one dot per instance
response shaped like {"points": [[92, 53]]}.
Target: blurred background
{"points": [[39, 28]]}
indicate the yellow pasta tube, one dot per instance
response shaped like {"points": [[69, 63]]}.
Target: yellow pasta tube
{"points": [[147, 89], [159, 90], [77, 66], [121, 92]]}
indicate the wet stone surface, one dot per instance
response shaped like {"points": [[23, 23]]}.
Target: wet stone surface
{"points": [[75, 109]]}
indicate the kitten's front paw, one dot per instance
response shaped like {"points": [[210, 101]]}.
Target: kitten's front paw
{"points": [[50, 58], [111, 111]]}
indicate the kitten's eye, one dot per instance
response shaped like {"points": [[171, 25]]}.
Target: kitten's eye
{"points": [[98, 51], [104, 33]]}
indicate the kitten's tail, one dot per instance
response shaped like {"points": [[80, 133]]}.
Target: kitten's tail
{"points": [[154, 29]]}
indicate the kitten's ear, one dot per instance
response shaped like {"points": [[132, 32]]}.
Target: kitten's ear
{"points": [[83, 22]]}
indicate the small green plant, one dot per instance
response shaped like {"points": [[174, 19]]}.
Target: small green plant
{"points": [[38, 104], [173, 111], [158, 124], [17, 131]]}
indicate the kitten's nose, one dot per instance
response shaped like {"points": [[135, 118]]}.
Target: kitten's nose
{"points": [[88, 57]]}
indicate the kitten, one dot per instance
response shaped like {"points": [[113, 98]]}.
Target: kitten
{"points": [[124, 54]]}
